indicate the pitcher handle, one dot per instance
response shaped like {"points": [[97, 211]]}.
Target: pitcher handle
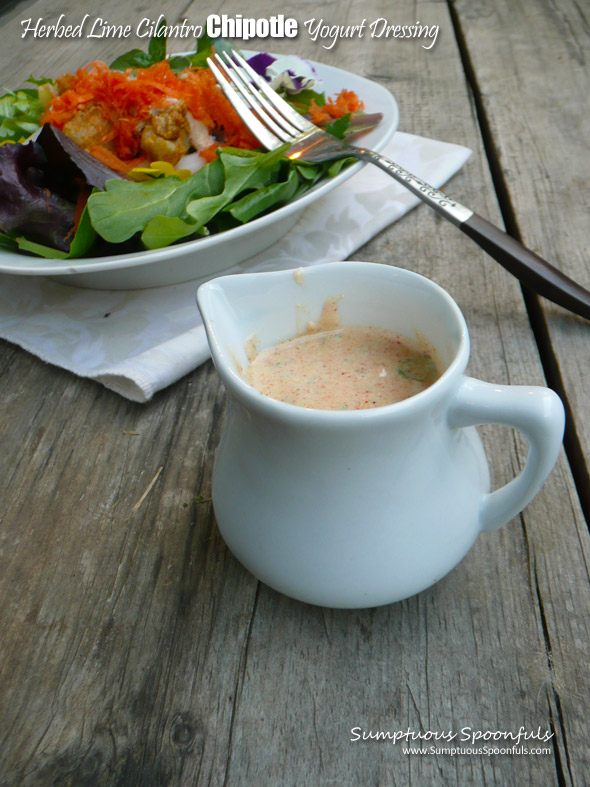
{"points": [[536, 412]]}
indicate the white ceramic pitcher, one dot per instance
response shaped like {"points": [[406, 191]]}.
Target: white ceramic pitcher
{"points": [[367, 507]]}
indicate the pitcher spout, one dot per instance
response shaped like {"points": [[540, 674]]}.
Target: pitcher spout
{"points": [[246, 312]]}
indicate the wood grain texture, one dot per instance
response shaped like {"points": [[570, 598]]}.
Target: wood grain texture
{"points": [[531, 65], [136, 651], [531, 69]]}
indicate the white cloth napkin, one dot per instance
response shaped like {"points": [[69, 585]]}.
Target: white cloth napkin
{"points": [[137, 342]]}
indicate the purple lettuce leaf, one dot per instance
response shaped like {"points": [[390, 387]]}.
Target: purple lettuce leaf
{"points": [[27, 205], [361, 122], [40, 183], [68, 162]]}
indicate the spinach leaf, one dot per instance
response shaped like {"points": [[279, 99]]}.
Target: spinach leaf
{"points": [[308, 171], [124, 208], [258, 201], [137, 58], [84, 238], [339, 127], [231, 174], [336, 166], [312, 173], [167, 209], [163, 231], [241, 173], [127, 207], [157, 44]]}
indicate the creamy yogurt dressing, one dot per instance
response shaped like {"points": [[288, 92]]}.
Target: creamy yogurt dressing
{"points": [[352, 367]]}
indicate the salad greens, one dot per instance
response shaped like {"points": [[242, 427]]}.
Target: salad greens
{"points": [[137, 58], [20, 114], [123, 215], [39, 203], [233, 189], [82, 242]]}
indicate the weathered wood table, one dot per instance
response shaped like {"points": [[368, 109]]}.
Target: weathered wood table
{"points": [[135, 650]]}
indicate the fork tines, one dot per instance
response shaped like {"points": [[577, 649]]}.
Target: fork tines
{"points": [[267, 115]]}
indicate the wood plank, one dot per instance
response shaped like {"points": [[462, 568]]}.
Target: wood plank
{"points": [[138, 651], [539, 121], [531, 72], [110, 608]]}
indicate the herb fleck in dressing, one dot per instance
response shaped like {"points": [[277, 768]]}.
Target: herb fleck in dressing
{"points": [[346, 368]]}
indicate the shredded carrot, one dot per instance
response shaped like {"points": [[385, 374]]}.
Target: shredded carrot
{"points": [[127, 98], [81, 200], [209, 153], [346, 101], [114, 162]]}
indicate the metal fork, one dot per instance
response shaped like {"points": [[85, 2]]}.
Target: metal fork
{"points": [[275, 123]]}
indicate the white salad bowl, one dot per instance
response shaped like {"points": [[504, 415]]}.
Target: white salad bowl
{"points": [[202, 258]]}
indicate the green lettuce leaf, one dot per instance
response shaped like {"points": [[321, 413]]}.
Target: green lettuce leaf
{"points": [[20, 114], [198, 59], [126, 207], [234, 172], [339, 127], [261, 200], [137, 58], [40, 81], [163, 231], [241, 172], [7, 241]]}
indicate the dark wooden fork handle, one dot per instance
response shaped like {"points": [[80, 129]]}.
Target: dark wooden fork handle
{"points": [[533, 271]]}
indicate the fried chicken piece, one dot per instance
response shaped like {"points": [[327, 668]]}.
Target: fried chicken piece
{"points": [[166, 137], [170, 122], [89, 127]]}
